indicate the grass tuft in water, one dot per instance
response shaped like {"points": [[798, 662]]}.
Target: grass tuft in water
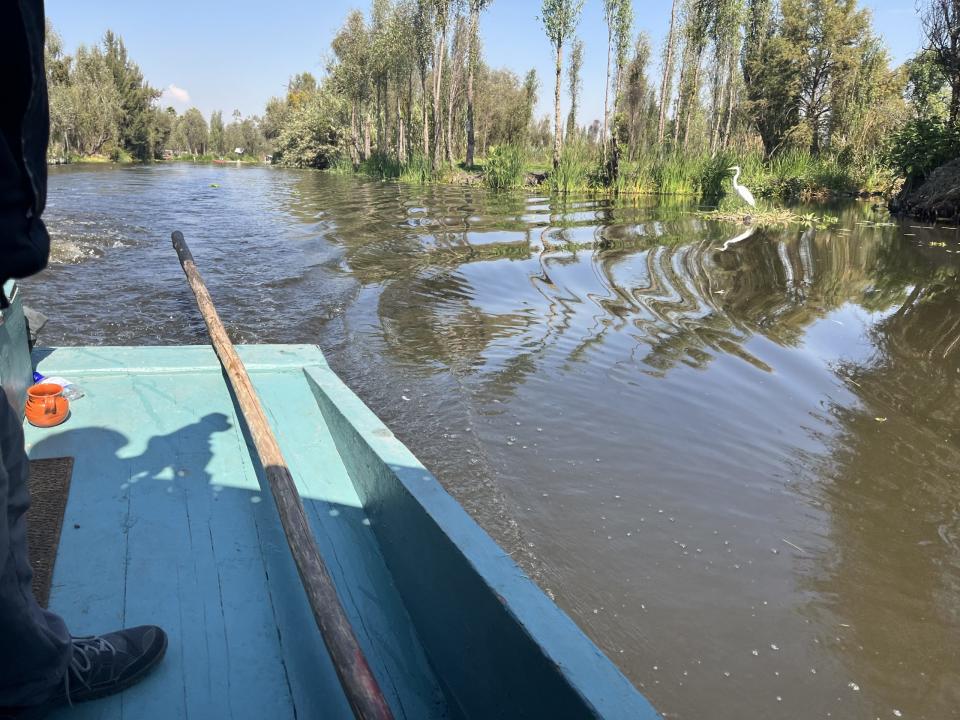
{"points": [[504, 167], [575, 169]]}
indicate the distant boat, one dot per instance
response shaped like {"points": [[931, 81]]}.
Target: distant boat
{"points": [[169, 520], [223, 162]]}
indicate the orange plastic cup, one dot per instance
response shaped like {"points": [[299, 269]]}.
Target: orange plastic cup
{"points": [[46, 405]]}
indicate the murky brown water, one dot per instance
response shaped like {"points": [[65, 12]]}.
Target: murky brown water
{"points": [[737, 471]]}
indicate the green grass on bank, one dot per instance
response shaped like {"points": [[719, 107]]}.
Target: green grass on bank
{"points": [[123, 158], [209, 159], [98, 159], [789, 175]]}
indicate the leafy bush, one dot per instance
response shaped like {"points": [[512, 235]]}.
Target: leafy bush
{"points": [[312, 137], [922, 146]]}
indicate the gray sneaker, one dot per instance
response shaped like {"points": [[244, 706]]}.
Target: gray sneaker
{"points": [[102, 665], [106, 664]]}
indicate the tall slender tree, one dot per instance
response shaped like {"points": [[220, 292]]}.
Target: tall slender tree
{"points": [[456, 80], [623, 24], [697, 21], [351, 76], [574, 84], [216, 132], [726, 48], [423, 45], [136, 98], [941, 25], [618, 15], [666, 83], [473, 52], [639, 100], [609, 13], [442, 10], [560, 18]]}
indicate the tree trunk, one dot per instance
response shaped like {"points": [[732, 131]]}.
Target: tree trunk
{"points": [[378, 110], [471, 51], [385, 145], [678, 110], [401, 139], [557, 137], [666, 84], [425, 119], [727, 108], [409, 111], [732, 101], [613, 164], [451, 96], [955, 100], [606, 95], [617, 80], [449, 144], [367, 132], [437, 110], [354, 137], [692, 101]]}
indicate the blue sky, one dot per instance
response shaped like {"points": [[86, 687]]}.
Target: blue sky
{"points": [[221, 55]]}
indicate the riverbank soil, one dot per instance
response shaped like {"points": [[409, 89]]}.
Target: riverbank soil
{"points": [[937, 198]]}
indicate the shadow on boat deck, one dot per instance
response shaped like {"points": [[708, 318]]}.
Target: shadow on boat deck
{"points": [[154, 537], [167, 523]]}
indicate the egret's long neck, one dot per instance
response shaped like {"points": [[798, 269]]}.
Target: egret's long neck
{"points": [[736, 176]]}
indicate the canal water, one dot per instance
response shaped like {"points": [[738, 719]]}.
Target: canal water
{"points": [[737, 470]]}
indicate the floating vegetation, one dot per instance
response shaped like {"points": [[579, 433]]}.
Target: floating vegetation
{"points": [[776, 217]]}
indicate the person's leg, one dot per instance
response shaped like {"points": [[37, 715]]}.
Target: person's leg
{"points": [[35, 647]]}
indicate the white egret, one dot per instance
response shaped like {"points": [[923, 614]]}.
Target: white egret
{"points": [[739, 238], [743, 192]]}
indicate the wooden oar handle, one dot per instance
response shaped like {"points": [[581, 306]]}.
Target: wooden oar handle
{"points": [[356, 678]]}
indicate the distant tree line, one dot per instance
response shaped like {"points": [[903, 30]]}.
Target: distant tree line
{"points": [[100, 104], [407, 84], [409, 79]]}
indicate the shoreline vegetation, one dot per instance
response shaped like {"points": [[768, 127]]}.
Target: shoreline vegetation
{"points": [[126, 159], [791, 176], [796, 176], [801, 94]]}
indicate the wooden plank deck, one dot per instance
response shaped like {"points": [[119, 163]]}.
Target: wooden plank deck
{"points": [[166, 524]]}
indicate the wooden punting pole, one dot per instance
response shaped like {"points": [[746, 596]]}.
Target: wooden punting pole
{"points": [[356, 678]]}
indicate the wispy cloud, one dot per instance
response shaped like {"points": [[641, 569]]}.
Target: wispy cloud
{"points": [[173, 93]]}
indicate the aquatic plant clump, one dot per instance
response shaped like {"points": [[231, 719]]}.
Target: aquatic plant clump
{"points": [[774, 217]]}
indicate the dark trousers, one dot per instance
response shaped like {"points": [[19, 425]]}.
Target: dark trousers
{"points": [[35, 646]]}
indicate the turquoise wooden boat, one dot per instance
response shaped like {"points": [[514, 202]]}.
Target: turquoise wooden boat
{"points": [[167, 523]]}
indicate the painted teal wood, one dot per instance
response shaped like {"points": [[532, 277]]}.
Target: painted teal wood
{"points": [[15, 370], [175, 529]]}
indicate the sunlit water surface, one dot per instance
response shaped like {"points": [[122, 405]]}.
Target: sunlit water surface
{"points": [[737, 470]]}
